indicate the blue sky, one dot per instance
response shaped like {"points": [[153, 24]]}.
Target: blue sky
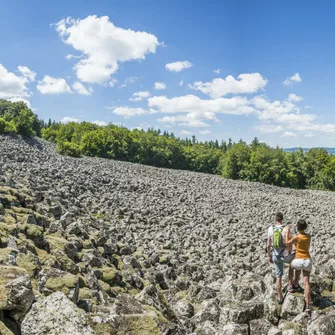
{"points": [[99, 61]]}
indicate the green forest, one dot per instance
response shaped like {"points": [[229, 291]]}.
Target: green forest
{"points": [[256, 161]]}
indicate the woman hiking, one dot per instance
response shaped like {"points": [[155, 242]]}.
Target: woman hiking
{"points": [[302, 261]]}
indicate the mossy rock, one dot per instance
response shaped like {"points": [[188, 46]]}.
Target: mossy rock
{"points": [[65, 263], [45, 258], [120, 264], [103, 329], [110, 275], [105, 287], [28, 262], [297, 328], [133, 292], [7, 274], [63, 283], [82, 281], [9, 219], [141, 325], [21, 210], [34, 233], [88, 244], [56, 242], [85, 293], [7, 200], [182, 295], [4, 330], [7, 255]]}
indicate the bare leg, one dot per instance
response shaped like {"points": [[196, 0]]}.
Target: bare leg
{"points": [[296, 277], [279, 288], [307, 287], [290, 275]]}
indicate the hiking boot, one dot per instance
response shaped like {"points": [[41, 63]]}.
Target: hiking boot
{"points": [[309, 309], [291, 288], [280, 301], [298, 288]]}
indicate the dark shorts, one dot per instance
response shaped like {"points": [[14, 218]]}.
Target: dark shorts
{"points": [[279, 262]]}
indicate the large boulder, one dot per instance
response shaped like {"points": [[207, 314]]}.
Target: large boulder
{"points": [[234, 329], [55, 315], [292, 306], [241, 313], [323, 324], [259, 327], [16, 291]]}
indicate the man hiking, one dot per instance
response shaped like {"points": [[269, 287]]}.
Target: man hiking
{"points": [[279, 253]]}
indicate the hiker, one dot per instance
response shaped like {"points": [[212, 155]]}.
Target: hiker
{"points": [[302, 261], [279, 253]]}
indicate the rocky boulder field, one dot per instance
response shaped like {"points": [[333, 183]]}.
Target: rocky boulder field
{"points": [[93, 246]]}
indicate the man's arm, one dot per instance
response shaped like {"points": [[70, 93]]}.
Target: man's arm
{"points": [[269, 250]]}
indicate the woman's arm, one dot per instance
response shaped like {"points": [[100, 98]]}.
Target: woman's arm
{"points": [[288, 237], [292, 240]]}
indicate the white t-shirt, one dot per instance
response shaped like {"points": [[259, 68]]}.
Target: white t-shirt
{"points": [[283, 234]]}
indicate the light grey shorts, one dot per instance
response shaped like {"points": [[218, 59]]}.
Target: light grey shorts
{"points": [[302, 264], [279, 262]]}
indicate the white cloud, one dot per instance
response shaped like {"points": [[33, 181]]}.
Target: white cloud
{"points": [[81, 89], [185, 132], [293, 79], [69, 56], [204, 132], [189, 120], [103, 46], [138, 96], [128, 112], [288, 134], [181, 83], [112, 82], [294, 98], [206, 108], [67, 119], [218, 87], [217, 71], [310, 135], [27, 73], [178, 66], [51, 85], [308, 107], [27, 102], [100, 123], [11, 85], [159, 86], [269, 128]]}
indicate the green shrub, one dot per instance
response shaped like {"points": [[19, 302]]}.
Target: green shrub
{"points": [[69, 149]]}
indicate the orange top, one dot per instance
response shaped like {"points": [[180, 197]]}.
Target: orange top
{"points": [[302, 243]]}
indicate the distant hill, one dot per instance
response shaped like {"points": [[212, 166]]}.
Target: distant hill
{"points": [[330, 150]]}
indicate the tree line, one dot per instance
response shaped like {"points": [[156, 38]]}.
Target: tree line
{"points": [[256, 161]]}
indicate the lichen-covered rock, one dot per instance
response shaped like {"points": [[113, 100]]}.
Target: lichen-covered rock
{"points": [[294, 328], [52, 280], [55, 315], [234, 329], [15, 289], [209, 311], [293, 305], [4, 330], [323, 324], [259, 327], [241, 313]]}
